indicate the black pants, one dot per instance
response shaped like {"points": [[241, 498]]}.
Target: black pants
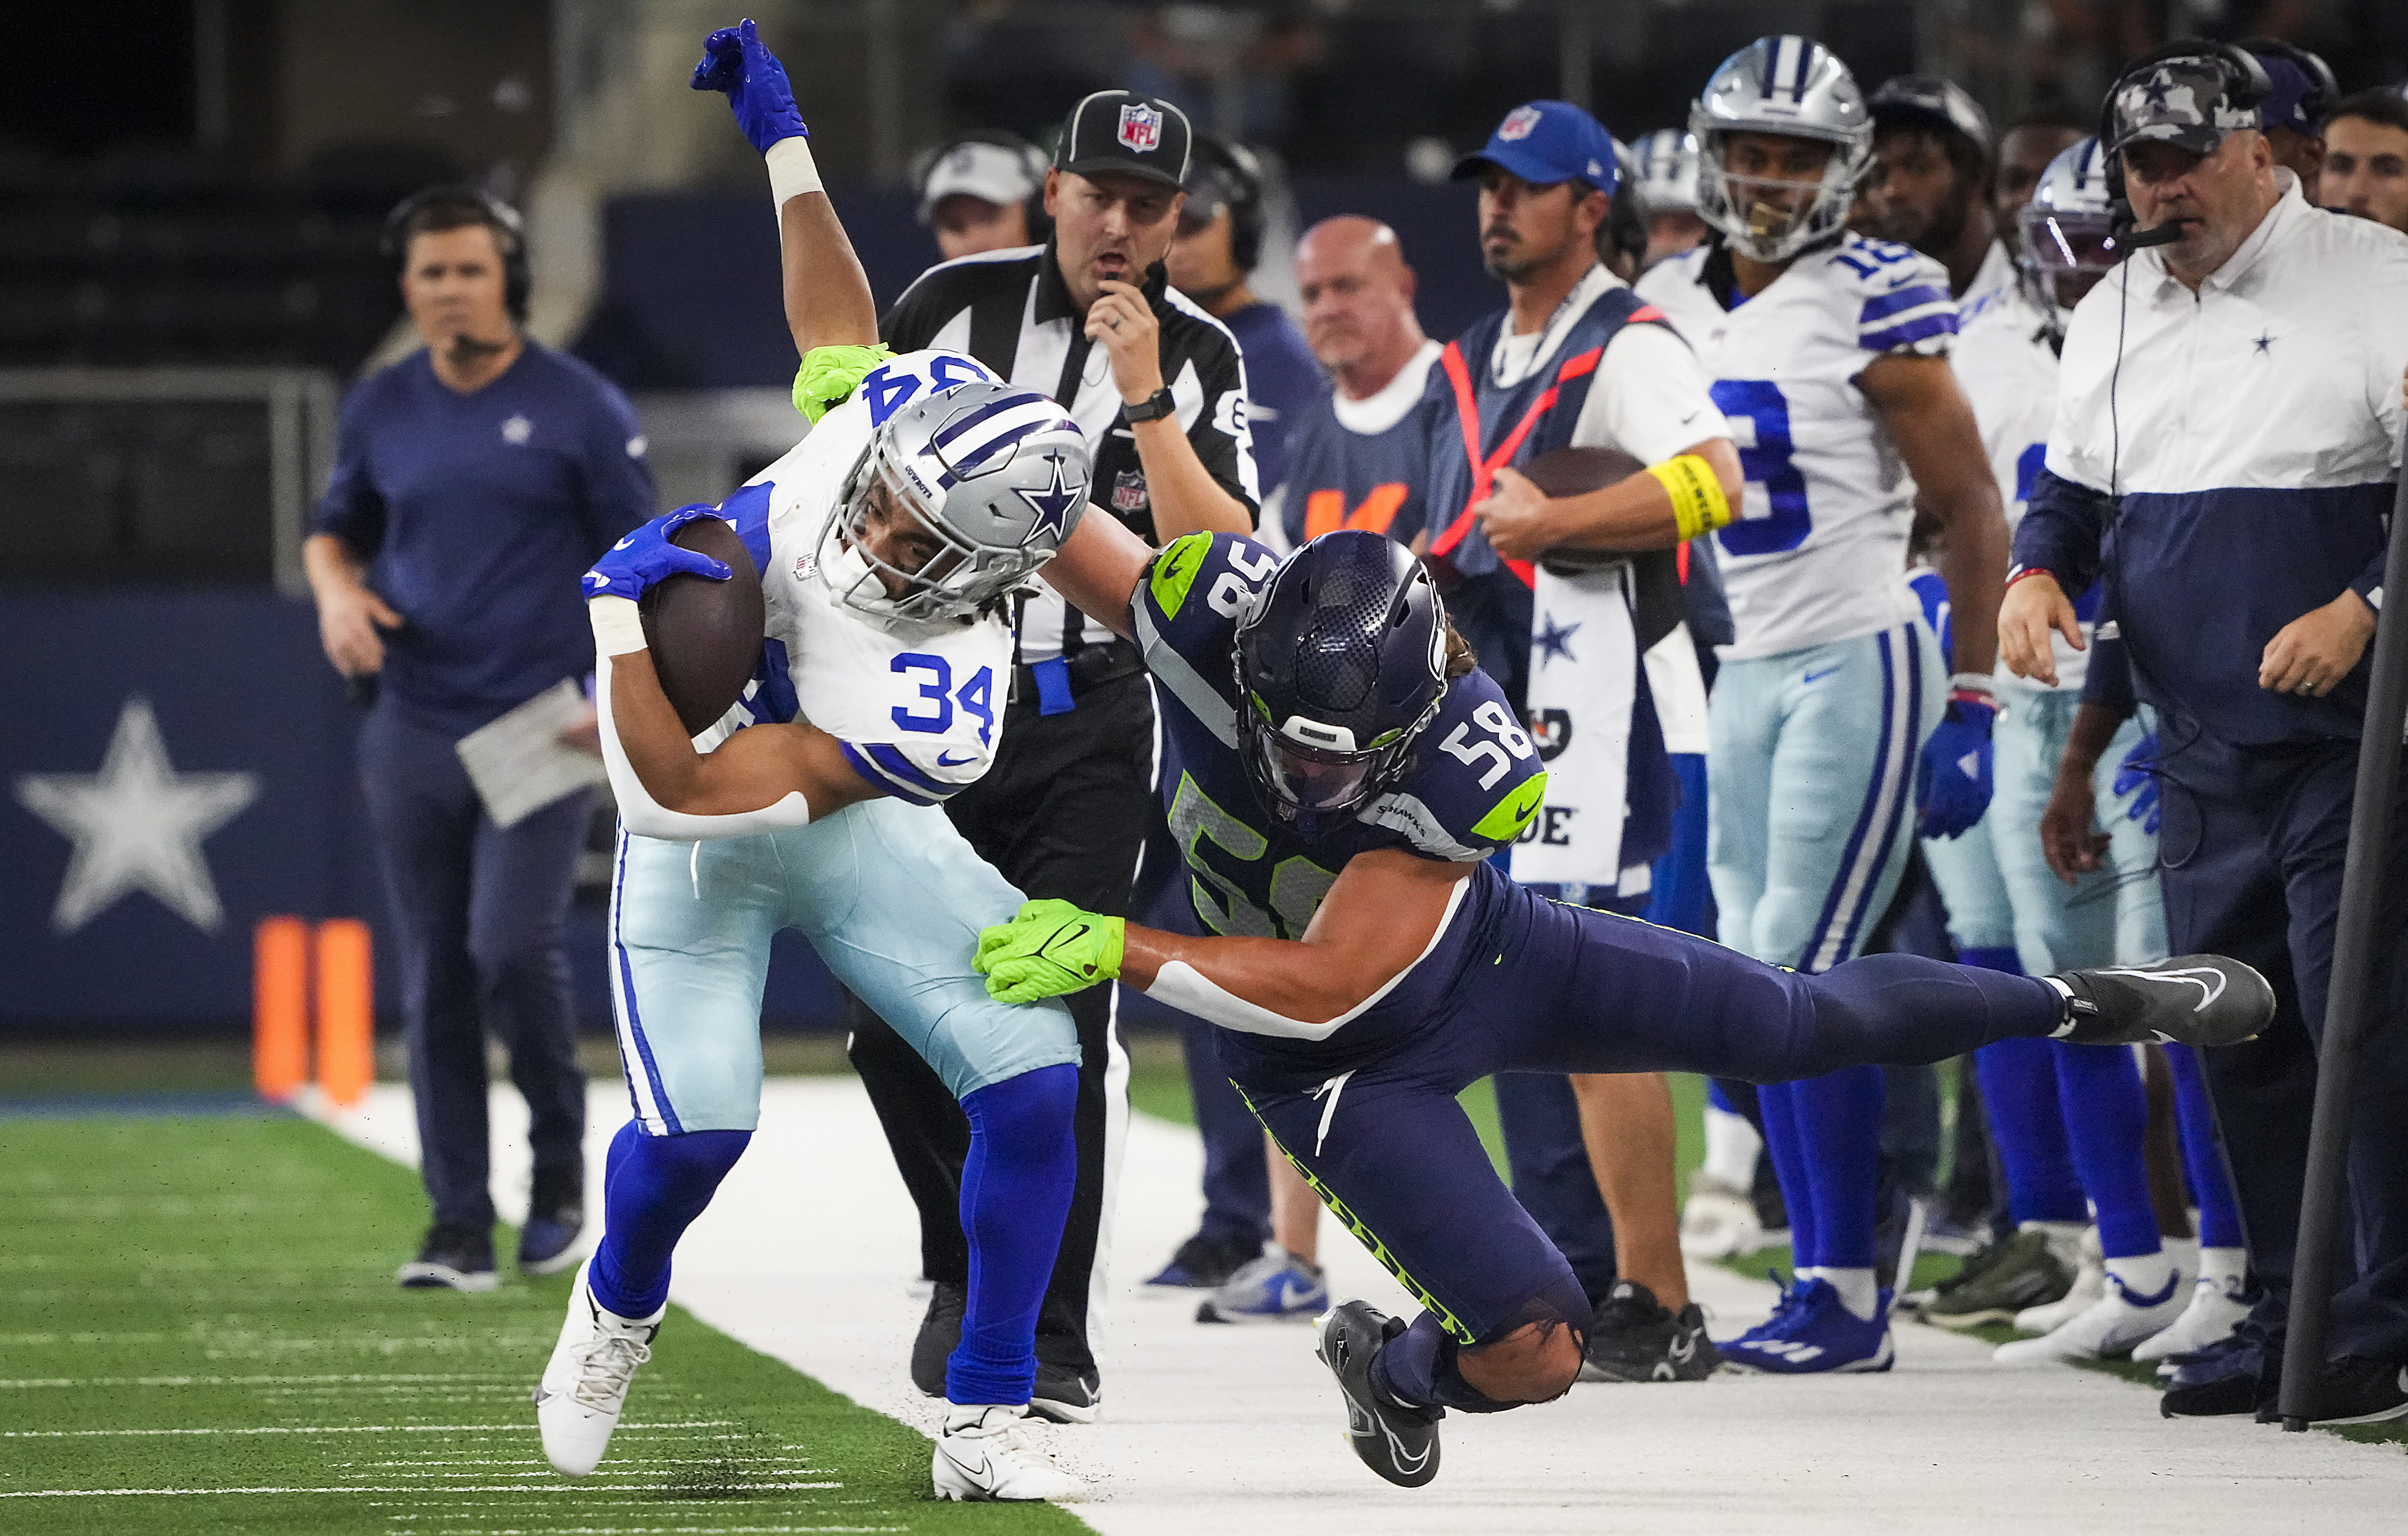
{"points": [[477, 913], [2253, 844], [1061, 814]]}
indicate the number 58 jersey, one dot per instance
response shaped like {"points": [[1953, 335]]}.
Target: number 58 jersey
{"points": [[1818, 557], [1473, 783], [917, 706]]}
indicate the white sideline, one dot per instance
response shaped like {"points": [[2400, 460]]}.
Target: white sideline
{"points": [[1237, 1431]]}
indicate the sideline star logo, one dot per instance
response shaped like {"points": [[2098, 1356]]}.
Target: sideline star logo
{"points": [[137, 824]]}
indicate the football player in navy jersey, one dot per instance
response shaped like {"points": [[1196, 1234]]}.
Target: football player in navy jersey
{"points": [[1345, 774]]}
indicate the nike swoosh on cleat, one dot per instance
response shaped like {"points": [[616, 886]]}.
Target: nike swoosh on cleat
{"points": [[2180, 978]]}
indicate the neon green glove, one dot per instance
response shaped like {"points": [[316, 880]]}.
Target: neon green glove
{"points": [[1050, 948], [829, 375]]}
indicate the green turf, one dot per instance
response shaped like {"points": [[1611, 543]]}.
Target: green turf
{"points": [[206, 1304]]}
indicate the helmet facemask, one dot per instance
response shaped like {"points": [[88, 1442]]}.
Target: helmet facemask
{"points": [[1761, 229]]}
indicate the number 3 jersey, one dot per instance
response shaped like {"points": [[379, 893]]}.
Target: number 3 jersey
{"points": [[917, 706], [1472, 783], [1819, 556]]}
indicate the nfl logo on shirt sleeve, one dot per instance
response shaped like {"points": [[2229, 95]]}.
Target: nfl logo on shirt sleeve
{"points": [[1141, 127]]}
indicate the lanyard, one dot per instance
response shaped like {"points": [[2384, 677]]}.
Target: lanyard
{"points": [[1483, 472]]}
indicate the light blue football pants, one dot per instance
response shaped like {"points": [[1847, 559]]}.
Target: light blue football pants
{"points": [[890, 896], [1811, 795]]}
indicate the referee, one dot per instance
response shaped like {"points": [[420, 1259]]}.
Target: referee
{"points": [[1158, 387]]}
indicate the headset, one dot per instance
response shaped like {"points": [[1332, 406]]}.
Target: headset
{"points": [[1041, 226], [509, 235], [1239, 176], [2245, 84]]}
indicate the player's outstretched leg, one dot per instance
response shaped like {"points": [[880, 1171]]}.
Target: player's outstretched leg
{"points": [[654, 1188], [2191, 999], [1396, 1439]]}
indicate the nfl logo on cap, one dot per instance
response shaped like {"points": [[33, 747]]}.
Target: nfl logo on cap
{"points": [[1141, 127], [1518, 123]]}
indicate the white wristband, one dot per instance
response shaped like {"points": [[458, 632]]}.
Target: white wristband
{"points": [[792, 170], [617, 625], [1972, 683]]}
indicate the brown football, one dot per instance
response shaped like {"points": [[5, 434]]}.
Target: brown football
{"points": [[705, 635], [1571, 472]]}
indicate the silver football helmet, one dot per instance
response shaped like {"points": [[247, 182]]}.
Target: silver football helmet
{"points": [[994, 478], [1667, 179], [1796, 86], [2068, 233]]}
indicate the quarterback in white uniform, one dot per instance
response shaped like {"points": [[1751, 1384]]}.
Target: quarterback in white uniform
{"points": [[1834, 715], [888, 545]]}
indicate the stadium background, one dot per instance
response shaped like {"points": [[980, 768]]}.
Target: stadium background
{"points": [[190, 200]]}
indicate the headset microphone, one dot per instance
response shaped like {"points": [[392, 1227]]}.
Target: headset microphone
{"points": [[2164, 233]]}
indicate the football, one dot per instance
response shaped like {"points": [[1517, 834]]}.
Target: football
{"points": [[1571, 472], [705, 635]]}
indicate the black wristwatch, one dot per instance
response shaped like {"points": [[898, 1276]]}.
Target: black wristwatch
{"points": [[1151, 409]]}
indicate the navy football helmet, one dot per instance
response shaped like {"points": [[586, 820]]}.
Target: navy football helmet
{"points": [[1342, 661]]}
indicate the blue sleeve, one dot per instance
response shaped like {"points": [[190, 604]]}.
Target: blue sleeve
{"points": [[2060, 533], [616, 481], [352, 509], [2370, 581]]}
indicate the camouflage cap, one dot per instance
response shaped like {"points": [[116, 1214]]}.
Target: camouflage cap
{"points": [[2183, 101]]}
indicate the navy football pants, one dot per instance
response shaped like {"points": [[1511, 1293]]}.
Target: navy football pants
{"points": [[1574, 990]]}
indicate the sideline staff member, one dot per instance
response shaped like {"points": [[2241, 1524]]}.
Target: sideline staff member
{"points": [[1157, 386], [2229, 402], [473, 482]]}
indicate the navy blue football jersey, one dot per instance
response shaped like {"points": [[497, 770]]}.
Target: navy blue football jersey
{"points": [[1473, 783]]}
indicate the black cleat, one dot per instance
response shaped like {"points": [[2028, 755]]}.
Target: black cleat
{"points": [[2192, 1000], [1636, 1338], [941, 1329], [1399, 1442], [459, 1258], [1067, 1395], [553, 1238]]}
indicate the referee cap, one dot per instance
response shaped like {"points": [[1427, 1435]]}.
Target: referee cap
{"points": [[1122, 132], [1545, 142]]}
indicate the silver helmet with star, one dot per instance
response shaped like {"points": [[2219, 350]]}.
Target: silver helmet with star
{"points": [[991, 479]]}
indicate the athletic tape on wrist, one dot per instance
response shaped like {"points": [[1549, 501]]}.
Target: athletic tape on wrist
{"points": [[617, 625], [792, 170], [1698, 505]]}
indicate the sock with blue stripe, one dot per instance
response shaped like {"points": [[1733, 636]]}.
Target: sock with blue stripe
{"points": [[653, 1188], [1016, 1183]]}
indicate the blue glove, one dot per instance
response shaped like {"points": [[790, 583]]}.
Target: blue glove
{"points": [[646, 559], [2138, 778], [1952, 779], [735, 61]]}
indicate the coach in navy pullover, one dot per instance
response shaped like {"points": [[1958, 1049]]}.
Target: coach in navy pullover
{"points": [[2223, 458], [475, 482]]}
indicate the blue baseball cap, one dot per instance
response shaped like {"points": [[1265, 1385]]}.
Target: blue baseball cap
{"points": [[1545, 142], [2296, 100]]}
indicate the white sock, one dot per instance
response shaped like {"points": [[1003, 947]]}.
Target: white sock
{"points": [[2143, 1274], [2064, 1240], [1858, 1291], [2183, 1253], [1731, 1148], [2224, 1268]]}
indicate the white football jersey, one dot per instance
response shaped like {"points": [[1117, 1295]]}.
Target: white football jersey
{"points": [[2008, 372], [1818, 556], [918, 707]]}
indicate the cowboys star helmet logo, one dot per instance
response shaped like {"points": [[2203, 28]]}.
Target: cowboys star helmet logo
{"points": [[1141, 127], [1052, 505]]}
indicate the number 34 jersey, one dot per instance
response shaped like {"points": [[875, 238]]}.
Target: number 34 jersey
{"points": [[1819, 555], [1473, 783], [918, 707]]}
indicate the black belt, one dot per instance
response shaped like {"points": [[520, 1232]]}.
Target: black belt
{"points": [[1091, 666]]}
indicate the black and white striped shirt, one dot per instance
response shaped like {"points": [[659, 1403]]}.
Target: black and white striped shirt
{"points": [[1011, 310]]}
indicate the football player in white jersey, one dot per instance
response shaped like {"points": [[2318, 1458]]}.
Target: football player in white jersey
{"points": [[1834, 715], [887, 545]]}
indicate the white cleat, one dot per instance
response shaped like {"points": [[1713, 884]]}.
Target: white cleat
{"points": [[2109, 1327], [1718, 1221], [584, 1384], [984, 1458], [2215, 1311]]}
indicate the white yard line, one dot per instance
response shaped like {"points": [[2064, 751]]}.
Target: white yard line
{"points": [[807, 1253]]}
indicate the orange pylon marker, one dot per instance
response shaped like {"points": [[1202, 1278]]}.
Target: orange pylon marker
{"points": [[346, 1011], [279, 1006]]}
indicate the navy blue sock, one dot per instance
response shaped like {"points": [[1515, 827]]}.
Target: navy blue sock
{"points": [[1016, 1185], [2106, 1111], [651, 1190], [2018, 1082], [2211, 1182]]}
